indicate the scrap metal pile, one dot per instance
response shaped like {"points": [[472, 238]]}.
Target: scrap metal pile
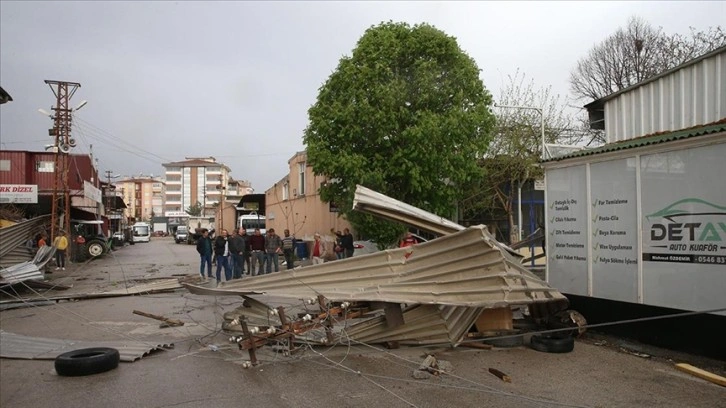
{"points": [[429, 293]]}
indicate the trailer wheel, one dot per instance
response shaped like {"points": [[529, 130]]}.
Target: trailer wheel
{"points": [[87, 361], [552, 344]]}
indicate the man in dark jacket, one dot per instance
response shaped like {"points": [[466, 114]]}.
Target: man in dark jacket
{"points": [[257, 246], [246, 249], [204, 247], [236, 249], [346, 241], [288, 248], [221, 252]]}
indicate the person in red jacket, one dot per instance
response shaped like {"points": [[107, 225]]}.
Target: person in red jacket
{"points": [[408, 240]]}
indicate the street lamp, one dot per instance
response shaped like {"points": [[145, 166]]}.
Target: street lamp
{"points": [[545, 154]]}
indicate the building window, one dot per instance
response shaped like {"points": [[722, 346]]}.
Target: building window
{"points": [[44, 166], [301, 179], [286, 191], [4, 165]]}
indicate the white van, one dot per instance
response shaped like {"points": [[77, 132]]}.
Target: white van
{"points": [[141, 232]]}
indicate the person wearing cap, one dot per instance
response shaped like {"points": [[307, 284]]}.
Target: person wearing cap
{"points": [[319, 250], [61, 245]]}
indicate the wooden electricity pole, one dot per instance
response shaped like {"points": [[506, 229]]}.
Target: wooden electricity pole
{"points": [[61, 200]]}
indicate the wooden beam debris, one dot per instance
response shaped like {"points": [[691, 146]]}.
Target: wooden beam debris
{"points": [[166, 320], [706, 375], [500, 374]]}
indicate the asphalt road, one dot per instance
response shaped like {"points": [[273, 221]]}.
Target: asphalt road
{"points": [[596, 374]]}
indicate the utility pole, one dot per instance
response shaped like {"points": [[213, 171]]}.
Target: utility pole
{"points": [[63, 92], [108, 198]]}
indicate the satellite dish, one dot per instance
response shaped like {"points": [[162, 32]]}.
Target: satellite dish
{"points": [[72, 142], [64, 147]]}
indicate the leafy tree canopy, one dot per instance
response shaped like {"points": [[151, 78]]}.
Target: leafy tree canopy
{"points": [[405, 115]]}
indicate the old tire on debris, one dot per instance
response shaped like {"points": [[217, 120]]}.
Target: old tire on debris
{"points": [[87, 361], [505, 339], [94, 249], [552, 343]]}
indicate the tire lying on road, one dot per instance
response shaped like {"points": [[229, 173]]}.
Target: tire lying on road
{"points": [[87, 361], [552, 343]]}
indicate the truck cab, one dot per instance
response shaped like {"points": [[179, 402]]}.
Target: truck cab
{"points": [[181, 235]]}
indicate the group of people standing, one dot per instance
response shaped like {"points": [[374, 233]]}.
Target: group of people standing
{"points": [[233, 252]]}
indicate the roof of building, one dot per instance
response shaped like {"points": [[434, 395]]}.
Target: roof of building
{"points": [[599, 103], [194, 163], [656, 138]]}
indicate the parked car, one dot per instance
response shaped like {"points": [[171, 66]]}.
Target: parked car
{"points": [[369, 246]]}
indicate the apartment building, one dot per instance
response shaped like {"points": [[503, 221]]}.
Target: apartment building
{"points": [[195, 180], [144, 196]]}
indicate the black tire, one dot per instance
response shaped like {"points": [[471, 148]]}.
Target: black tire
{"points": [[87, 361], [552, 344], [505, 342], [94, 249]]}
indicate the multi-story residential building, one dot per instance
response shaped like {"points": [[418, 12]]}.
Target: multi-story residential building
{"points": [[294, 203], [195, 180], [144, 196]]}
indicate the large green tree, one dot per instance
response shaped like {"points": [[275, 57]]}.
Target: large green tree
{"points": [[405, 115]]}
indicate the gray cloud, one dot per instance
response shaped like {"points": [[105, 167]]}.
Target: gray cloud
{"points": [[234, 80]]}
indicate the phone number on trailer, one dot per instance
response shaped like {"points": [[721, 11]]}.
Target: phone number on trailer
{"points": [[707, 259]]}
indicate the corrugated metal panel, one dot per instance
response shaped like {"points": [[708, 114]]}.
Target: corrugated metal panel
{"points": [[371, 202], [367, 200], [18, 168], [646, 141], [461, 269], [16, 235], [693, 95], [28, 270], [15, 256], [23, 169], [147, 287], [39, 348]]}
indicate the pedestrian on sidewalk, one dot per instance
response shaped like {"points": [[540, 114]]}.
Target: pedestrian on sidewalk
{"points": [[257, 246], [288, 249], [236, 249], [204, 247], [61, 245], [221, 251], [273, 249]]}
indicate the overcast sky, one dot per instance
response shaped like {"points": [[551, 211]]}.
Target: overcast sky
{"points": [[234, 80]]}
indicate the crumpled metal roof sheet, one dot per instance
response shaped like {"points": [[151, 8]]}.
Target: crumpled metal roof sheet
{"points": [[424, 324], [16, 235], [154, 286], [461, 269], [371, 202], [41, 348], [28, 270]]}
